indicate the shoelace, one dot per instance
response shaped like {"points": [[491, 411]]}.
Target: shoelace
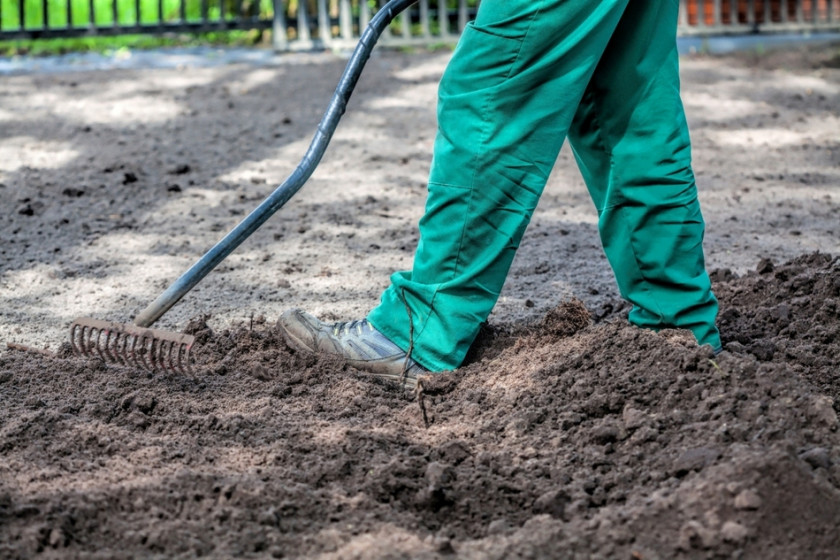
{"points": [[359, 325]]}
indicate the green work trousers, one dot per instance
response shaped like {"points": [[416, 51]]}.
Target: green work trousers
{"points": [[525, 75]]}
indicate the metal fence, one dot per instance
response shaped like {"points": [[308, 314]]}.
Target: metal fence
{"points": [[713, 17], [307, 24]]}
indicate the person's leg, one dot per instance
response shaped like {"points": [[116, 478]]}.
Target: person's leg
{"points": [[506, 101], [631, 142]]}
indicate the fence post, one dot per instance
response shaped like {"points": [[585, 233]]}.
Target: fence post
{"points": [[279, 39], [424, 19], [345, 19], [683, 14], [443, 18], [364, 15], [324, 31], [386, 33], [405, 24], [303, 33]]}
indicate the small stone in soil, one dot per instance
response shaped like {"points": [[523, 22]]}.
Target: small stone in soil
{"points": [[733, 532], [694, 460], [553, 503], [765, 266], [748, 499], [818, 457]]}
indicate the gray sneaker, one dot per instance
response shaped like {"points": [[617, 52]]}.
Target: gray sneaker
{"points": [[358, 342]]}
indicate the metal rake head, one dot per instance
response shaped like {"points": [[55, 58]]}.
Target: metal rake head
{"points": [[129, 345]]}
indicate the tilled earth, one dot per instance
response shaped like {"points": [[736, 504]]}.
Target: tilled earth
{"points": [[568, 433], [567, 438]]}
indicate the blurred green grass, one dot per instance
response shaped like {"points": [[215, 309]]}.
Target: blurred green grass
{"points": [[126, 12], [113, 43], [150, 13]]}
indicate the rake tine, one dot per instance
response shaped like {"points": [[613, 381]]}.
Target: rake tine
{"points": [[89, 342], [73, 328], [179, 351], [144, 353], [166, 347], [106, 347], [84, 339], [139, 352], [162, 355], [97, 347], [130, 353], [152, 353], [148, 364], [121, 345], [158, 356], [187, 353], [173, 355], [92, 339]]}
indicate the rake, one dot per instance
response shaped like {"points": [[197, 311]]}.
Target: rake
{"points": [[140, 346]]}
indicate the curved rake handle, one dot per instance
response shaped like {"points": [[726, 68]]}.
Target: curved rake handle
{"points": [[293, 183]]}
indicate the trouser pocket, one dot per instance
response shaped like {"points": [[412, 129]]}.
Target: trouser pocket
{"points": [[481, 63]]}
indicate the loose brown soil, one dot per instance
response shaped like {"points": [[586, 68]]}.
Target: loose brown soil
{"points": [[568, 433]]}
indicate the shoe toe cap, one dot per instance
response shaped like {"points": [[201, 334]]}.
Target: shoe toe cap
{"points": [[300, 328]]}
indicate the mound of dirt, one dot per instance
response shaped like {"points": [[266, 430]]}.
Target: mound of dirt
{"points": [[595, 438], [787, 315]]}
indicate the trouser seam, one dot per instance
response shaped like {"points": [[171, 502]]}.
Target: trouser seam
{"points": [[645, 281], [431, 306], [596, 124], [484, 135], [522, 41]]}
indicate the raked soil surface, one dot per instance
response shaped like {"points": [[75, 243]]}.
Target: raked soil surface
{"points": [[567, 434]]}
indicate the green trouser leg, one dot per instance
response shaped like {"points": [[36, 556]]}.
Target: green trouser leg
{"points": [[506, 102], [632, 146]]}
